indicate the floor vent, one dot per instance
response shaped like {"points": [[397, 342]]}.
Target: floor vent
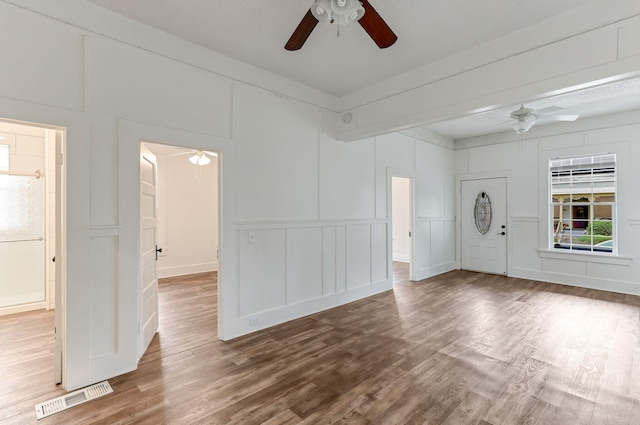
{"points": [[59, 404]]}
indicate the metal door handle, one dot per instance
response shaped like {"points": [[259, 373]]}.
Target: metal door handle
{"points": [[502, 233], [158, 250]]}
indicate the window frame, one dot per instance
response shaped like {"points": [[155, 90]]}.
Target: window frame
{"points": [[557, 202]]}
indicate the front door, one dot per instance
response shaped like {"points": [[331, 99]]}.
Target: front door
{"points": [[484, 225], [148, 276]]}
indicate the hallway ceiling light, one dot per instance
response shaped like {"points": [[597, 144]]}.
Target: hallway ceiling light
{"points": [[200, 158]]}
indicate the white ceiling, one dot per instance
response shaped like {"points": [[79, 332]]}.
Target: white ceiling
{"points": [[255, 32], [606, 99]]}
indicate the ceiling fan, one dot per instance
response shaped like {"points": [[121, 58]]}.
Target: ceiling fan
{"points": [[343, 12], [197, 157], [523, 118]]}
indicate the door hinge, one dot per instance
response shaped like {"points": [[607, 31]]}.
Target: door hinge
{"points": [[409, 234]]}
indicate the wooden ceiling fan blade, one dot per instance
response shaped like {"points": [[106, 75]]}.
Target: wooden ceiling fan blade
{"points": [[376, 27], [302, 32]]}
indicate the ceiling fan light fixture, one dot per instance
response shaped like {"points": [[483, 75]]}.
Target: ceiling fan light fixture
{"points": [[345, 11], [356, 14], [342, 7], [321, 10], [522, 126], [200, 158]]}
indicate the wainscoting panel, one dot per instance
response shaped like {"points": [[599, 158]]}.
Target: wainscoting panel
{"points": [[422, 235], [103, 278], [358, 255], [525, 255], [329, 260], [379, 248], [104, 172], [304, 264], [575, 268], [435, 243], [341, 258], [292, 269], [262, 270]]}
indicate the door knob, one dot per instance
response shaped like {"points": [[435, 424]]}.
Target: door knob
{"points": [[502, 233], [158, 250]]}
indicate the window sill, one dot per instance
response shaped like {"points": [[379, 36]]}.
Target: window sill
{"points": [[588, 257]]}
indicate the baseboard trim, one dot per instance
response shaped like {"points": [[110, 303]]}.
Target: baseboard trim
{"points": [[402, 258], [187, 269], [428, 272], [622, 287], [262, 320], [42, 305]]}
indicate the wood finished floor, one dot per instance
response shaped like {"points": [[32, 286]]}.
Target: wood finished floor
{"points": [[460, 348]]}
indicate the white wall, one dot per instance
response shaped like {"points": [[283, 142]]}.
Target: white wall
{"points": [[526, 164], [187, 220], [304, 223], [313, 213], [304, 217]]}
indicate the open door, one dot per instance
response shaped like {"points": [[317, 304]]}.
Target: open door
{"points": [[148, 249], [402, 223], [59, 258]]}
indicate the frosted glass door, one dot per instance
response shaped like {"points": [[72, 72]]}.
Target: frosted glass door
{"points": [[22, 262]]}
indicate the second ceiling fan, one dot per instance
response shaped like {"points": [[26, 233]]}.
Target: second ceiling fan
{"points": [[342, 12]]}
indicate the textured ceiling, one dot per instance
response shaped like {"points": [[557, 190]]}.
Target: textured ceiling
{"points": [[255, 32]]}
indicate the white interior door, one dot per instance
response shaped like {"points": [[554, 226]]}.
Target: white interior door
{"points": [[483, 218], [148, 223]]}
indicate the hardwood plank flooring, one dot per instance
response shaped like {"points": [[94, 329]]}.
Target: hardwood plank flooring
{"points": [[459, 348]]}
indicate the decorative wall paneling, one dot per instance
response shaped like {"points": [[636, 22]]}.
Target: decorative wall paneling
{"points": [[436, 243], [49, 60], [158, 90], [284, 267]]}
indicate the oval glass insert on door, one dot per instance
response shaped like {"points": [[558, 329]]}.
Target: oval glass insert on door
{"points": [[482, 213]]}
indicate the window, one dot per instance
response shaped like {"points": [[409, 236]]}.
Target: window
{"points": [[583, 203], [4, 157]]}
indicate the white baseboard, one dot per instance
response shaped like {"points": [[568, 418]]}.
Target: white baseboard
{"points": [[266, 319], [402, 258], [428, 272], [187, 269], [610, 285], [22, 308]]}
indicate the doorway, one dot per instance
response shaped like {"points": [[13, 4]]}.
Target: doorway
{"points": [[32, 237], [402, 226], [484, 225], [179, 225]]}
